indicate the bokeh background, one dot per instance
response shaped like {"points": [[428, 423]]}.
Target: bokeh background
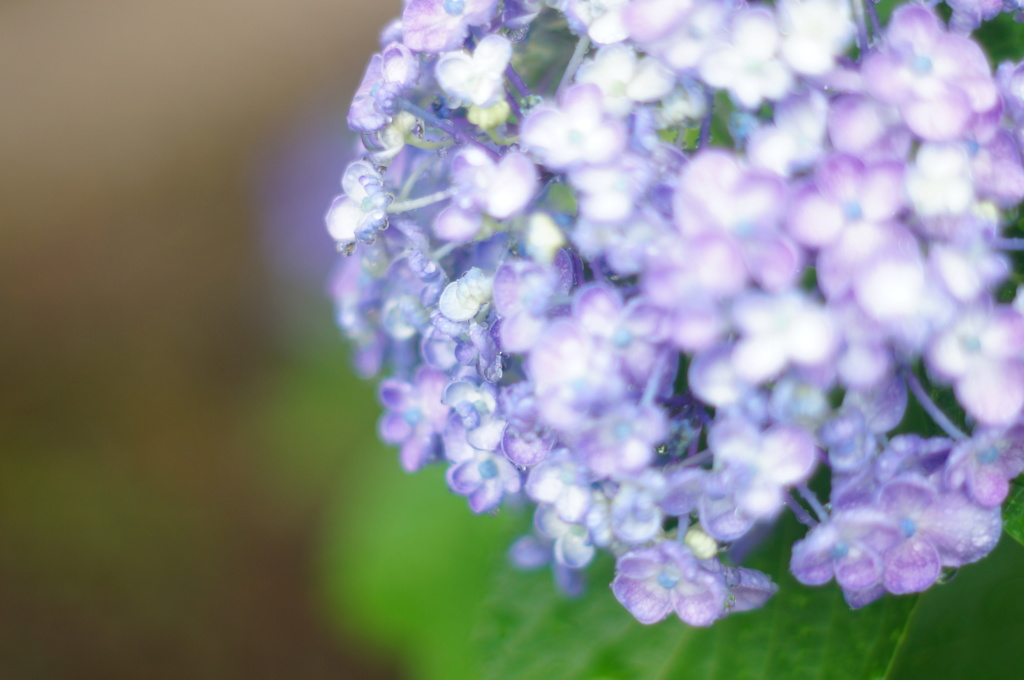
{"points": [[190, 482], [177, 420]]}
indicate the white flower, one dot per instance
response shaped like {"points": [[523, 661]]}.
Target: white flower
{"points": [[685, 103], [796, 139], [778, 331], [361, 209], [625, 79], [463, 299], [814, 33], [602, 19], [939, 183], [476, 79], [749, 65]]}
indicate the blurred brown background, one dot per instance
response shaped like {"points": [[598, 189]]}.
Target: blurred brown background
{"points": [[153, 155]]}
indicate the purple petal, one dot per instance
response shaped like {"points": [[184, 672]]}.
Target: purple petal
{"points": [[640, 564], [486, 498], [645, 599], [811, 561], [988, 486], [455, 224], [417, 451], [464, 478], [994, 392], [525, 448], [529, 553], [861, 598], [702, 603], [394, 394], [722, 519], [684, 490], [750, 588], [859, 569], [394, 428], [911, 566], [961, 531]]}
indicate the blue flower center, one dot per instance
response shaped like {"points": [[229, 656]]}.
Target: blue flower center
{"points": [[622, 337], [840, 549], [921, 64], [972, 147], [488, 469], [988, 456], [742, 124], [622, 431], [744, 227], [366, 205], [972, 343], [454, 7], [412, 416], [667, 580], [575, 137], [852, 210], [908, 527]]}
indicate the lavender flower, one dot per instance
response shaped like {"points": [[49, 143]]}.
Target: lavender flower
{"points": [[573, 282], [437, 25], [652, 582]]}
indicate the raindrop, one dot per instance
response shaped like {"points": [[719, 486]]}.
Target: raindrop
{"points": [[947, 575]]}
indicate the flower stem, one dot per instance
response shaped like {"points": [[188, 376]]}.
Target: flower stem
{"points": [[651, 388], [862, 27], [447, 127], [516, 81], [421, 202], [426, 144], [802, 515], [1008, 243], [513, 103], [930, 407], [812, 500], [574, 62], [697, 458], [872, 11], [705, 125]]}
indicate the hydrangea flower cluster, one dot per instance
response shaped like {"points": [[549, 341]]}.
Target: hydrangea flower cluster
{"points": [[652, 265]]}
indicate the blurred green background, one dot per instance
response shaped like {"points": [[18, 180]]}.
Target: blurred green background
{"points": [[190, 481], [176, 413]]}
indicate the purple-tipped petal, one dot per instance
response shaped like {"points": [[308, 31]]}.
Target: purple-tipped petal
{"points": [[911, 567]]}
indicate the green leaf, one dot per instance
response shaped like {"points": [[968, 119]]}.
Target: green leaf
{"points": [[970, 627], [1013, 510], [563, 199], [406, 565], [528, 632], [1003, 38]]}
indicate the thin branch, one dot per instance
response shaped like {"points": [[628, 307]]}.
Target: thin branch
{"points": [[655, 379], [421, 202], [1008, 243], [876, 26], [705, 125], [862, 27], [516, 81], [933, 410], [802, 515], [812, 500], [446, 126], [574, 62]]}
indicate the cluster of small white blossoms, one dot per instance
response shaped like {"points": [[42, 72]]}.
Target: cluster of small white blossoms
{"points": [[653, 265]]}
